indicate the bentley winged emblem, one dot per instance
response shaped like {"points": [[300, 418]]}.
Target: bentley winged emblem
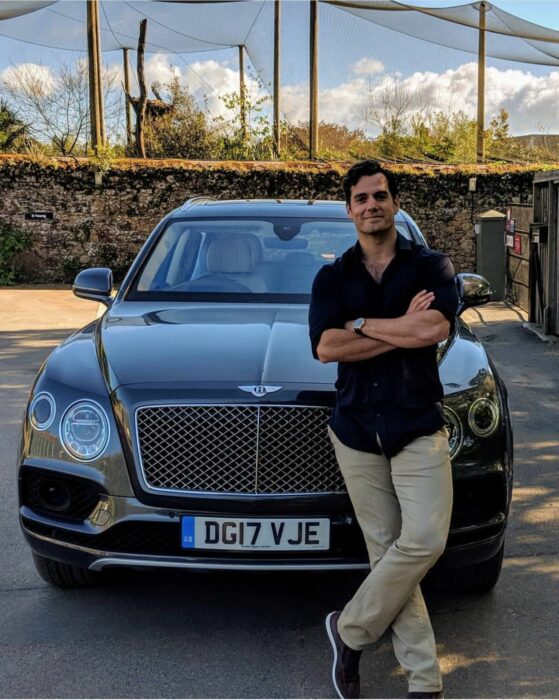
{"points": [[260, 389]]}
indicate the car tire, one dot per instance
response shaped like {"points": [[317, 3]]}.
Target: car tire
{"points": [[477, 578], [65, 575]]}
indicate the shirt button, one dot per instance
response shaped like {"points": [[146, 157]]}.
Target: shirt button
{"points": [[375, 383], [378, 415]]}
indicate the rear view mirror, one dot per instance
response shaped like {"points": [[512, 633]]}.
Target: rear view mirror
{"points": [[473, 290], [95, 283]]}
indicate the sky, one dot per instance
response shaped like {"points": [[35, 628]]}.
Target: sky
{"points": [[359, 64]]}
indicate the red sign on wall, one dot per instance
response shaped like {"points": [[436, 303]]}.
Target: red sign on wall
{"points": [[517, 244]]}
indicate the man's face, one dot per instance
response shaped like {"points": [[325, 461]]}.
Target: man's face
{"points": [[372, 207]]}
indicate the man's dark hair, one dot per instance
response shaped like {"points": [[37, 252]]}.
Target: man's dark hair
{"points": [[367, 167]]}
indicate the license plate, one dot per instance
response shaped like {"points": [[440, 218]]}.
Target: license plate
{"points": [[273, 534]]}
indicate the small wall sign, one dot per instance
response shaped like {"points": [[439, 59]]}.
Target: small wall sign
{"points": [[510, 225], [517, 244], [510, 241], [39, 215]]}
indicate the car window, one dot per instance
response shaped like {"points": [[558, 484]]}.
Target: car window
{"points": [[242, 256], [253, 258]]}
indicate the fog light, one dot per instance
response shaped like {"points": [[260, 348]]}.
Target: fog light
{"points": [[54, 495], [483, 417], [42, 411]]}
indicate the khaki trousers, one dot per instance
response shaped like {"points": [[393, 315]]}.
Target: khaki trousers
{"points": [[403, 506]]}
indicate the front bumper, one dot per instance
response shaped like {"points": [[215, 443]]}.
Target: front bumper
{"points": [[124, 532]]}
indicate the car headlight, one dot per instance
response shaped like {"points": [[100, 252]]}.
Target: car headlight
{"points": [[454, 427], [483, 417], [84, 430], [42, 411]]}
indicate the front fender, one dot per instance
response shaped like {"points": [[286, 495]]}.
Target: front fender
{"points": [[72, 373]]}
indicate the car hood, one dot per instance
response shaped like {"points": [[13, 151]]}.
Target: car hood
{"points": [[208, 343]]}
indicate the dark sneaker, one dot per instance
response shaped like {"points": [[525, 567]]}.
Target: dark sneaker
{"points": [[345, 667], [425, 694]]}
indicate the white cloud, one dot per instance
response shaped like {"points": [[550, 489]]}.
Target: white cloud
{"points": [[31, 74], [158, 69], [208, 81], [367, 66], [531, 100]]}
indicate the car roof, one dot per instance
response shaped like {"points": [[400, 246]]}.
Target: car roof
{"points": [[202, 207]]}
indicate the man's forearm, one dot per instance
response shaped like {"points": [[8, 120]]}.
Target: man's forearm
{"points": [[338, 345], [413, 330]]}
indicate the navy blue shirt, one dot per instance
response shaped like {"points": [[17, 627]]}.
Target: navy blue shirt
{"points": [[395, 395]]}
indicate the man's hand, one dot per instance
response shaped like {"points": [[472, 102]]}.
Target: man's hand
{"points": [[421, 302]]}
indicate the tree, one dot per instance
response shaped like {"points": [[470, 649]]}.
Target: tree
{"points": [[181, 130], [55, 104], [13, 132], [499, 139], [336, 142], [257, 142]]}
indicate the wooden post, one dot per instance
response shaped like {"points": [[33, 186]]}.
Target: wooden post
{"points": [[313, 117], [277, 39], [480, 142], [242, 94], [95, 89], [142, 101], [128, 106], [100, 98]]}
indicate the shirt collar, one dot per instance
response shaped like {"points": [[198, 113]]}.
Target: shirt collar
{"points": [[403, 245]]}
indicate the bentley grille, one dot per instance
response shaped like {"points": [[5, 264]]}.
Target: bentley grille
{"points": [[238, 449]]}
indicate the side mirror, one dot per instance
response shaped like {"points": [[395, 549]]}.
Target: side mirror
{"points": [[96, 284], [473, 290]]}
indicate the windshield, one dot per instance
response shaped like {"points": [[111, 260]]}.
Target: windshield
{"points": [[243, 259]]}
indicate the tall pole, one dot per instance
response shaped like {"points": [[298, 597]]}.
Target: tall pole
{"points": [[313, 117], [143, 98], [128, 106], [95, 106], [277, 39], [100, 73], [242, 94], [480, 145]]}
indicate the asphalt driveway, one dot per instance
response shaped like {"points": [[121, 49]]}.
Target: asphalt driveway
{"points": [[226, 635]]}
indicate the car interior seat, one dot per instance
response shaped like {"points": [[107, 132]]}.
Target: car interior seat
{"points": [[229, 267]]}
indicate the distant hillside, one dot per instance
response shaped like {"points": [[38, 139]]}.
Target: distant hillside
{"points": [[549, 142]]}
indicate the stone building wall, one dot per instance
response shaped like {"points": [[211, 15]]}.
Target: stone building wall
{"points": [[105, 224]]}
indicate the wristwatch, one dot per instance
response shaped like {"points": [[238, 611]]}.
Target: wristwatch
{"points": [[358, 326]]}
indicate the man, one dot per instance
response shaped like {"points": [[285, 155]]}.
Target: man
{"points": [[379, 311]]}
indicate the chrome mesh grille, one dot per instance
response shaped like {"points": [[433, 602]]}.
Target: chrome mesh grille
{"points": [[238, 449]]}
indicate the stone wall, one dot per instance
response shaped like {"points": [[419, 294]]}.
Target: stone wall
{"points": [[104, 223]]}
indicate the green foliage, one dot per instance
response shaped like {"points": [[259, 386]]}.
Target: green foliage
{"points": [[12, 242], [180, 129], [252, 140], [336, 142], [13, 132], [102, 159]]}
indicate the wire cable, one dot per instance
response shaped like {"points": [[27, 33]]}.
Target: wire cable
{"points": [[175, 31], [109, 24], [252, 25]]}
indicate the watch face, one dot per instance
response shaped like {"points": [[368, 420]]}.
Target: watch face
{"points": [[358, 325]]}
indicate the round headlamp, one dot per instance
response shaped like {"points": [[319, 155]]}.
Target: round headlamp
{"points": [[84, 430], [483, 417], [42, 411], [454, 427]]}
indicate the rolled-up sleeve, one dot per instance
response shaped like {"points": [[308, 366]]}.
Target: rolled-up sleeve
{"points": [[439, 278], [326, 309]]}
